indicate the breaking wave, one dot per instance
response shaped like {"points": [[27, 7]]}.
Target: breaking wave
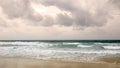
{"points": [[69, 51]]}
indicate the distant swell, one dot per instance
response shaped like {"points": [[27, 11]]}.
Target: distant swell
{"points": [[84, 46], [19, 43]]}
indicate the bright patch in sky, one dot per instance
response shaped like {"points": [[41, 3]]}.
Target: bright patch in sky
{"points": [[43, 10]]}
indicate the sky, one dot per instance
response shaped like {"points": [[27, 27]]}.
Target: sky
{"points": [[59, 19]]}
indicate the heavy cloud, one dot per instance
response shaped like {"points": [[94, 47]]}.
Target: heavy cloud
{"points": [[116, 3], [19, 9], [79, 16], [59, 19], [3, 23]]}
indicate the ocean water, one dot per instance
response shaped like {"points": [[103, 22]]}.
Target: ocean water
{"points": [[65, 50]]}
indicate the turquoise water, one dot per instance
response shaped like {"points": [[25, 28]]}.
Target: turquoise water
{"points": [[67, 50]]}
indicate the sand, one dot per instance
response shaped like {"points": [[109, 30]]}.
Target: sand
{"points": [[35, 63]]}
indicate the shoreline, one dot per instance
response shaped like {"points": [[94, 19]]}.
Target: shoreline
{"points": [[18, 62]]}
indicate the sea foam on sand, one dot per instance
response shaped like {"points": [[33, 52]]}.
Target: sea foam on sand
{"points": [[35, 63]]}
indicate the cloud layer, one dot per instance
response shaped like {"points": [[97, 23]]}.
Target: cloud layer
{"points": [[80, 16], [77, 16], [90, 15], [116, 3]]}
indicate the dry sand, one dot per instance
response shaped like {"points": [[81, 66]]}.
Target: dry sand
{"points": [[35, 63]]}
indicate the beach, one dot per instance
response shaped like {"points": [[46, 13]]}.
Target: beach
{"points": [[16, 62]]}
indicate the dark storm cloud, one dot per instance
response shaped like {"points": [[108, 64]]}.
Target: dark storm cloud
{"points": [[19, 9], [3, 23], [33, 17], [15, 9], [80, 16], [86, 19], [116, 3], [46, 21], [64, 19]]}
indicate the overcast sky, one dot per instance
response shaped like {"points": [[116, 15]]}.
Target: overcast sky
{"points": [[59, 19]]}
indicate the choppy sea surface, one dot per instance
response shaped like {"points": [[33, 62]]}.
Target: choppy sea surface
{"points": [[66, 50]]}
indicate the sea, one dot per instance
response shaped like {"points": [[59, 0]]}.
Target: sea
{"points": [[64, 50]]}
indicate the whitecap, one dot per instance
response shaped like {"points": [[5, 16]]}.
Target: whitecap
{"points": [[84, 46], [111, 47], [66, 43]]}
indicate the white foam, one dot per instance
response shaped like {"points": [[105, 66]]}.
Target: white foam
{"points": [[17, 43], [66, 43], [39, 50], [35, 52], [84, 46], [112, 47]]}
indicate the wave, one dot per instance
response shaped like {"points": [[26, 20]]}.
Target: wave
{"points": [[19, 43], [98, 46], [59, 54], [76, 51], [111, 47], [41, 44], [84, 46], [68, 43]]}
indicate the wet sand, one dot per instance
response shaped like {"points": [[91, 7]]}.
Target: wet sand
{"points": [[35, 63], [110, 59]]}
